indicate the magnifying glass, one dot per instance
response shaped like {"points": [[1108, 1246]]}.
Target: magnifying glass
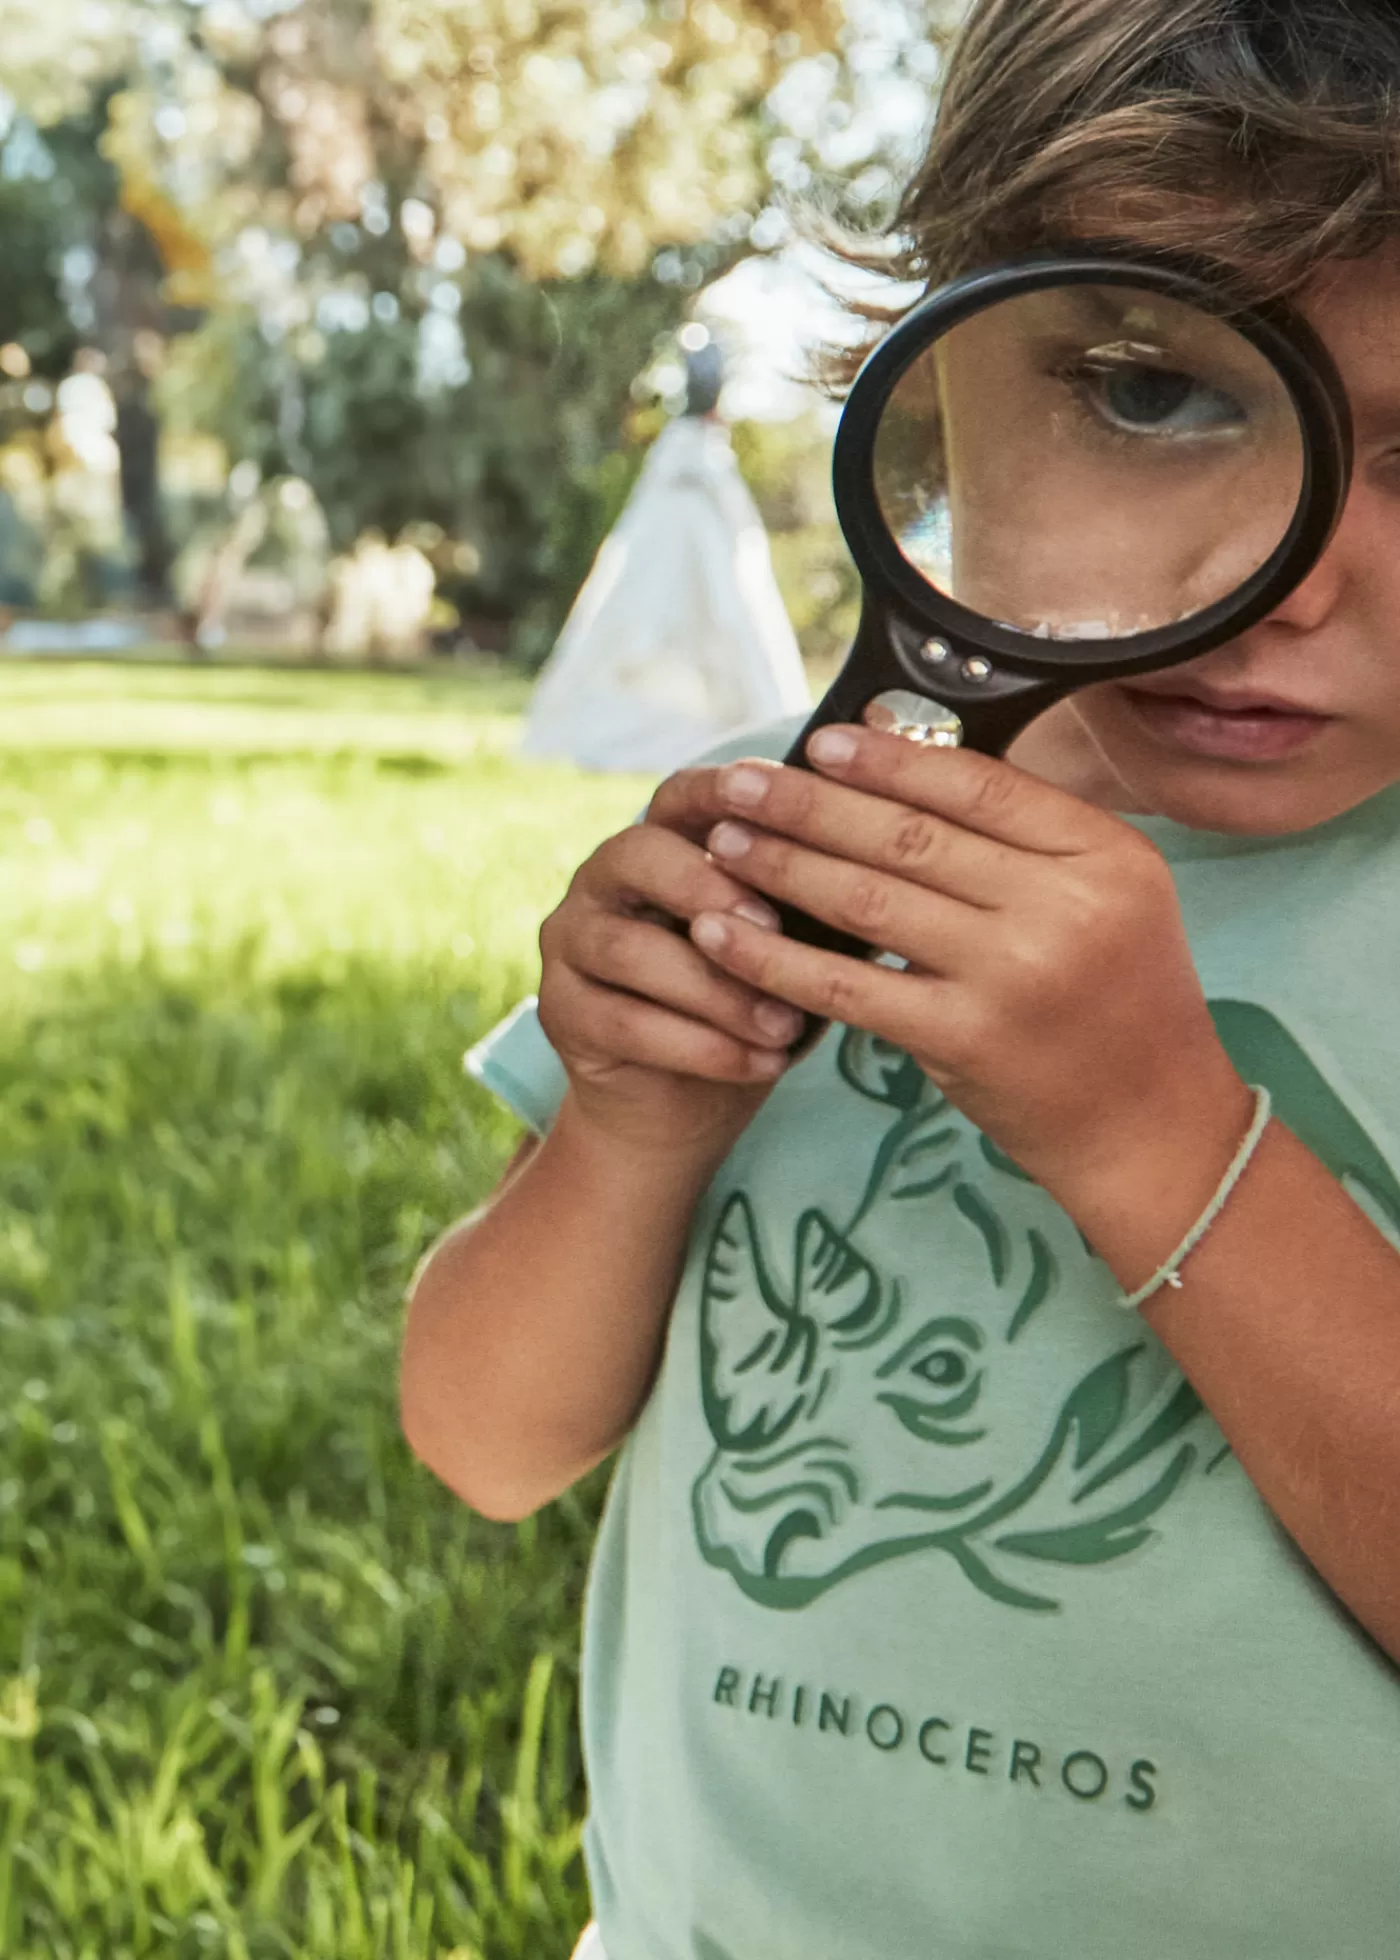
{"points": [[1066, 470]]}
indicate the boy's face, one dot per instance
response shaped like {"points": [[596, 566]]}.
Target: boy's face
{"points": [[1299, 718]]}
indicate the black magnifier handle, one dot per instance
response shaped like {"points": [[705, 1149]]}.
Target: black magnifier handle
{"points": [[928, 690]]}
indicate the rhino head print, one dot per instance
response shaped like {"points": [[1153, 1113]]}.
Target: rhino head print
{"points": [[852, 1424]]}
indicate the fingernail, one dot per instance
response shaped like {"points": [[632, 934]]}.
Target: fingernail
{"points": [[710, 934], [830, 745], [730, 840], [768, 1064], [783, 1023], [758, 914], [746, 786]]}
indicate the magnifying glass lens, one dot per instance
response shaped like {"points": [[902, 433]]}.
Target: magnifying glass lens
{"points": [[1086, 462]]}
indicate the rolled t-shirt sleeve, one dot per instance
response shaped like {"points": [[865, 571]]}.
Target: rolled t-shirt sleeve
{"points": [[515, 1062]]}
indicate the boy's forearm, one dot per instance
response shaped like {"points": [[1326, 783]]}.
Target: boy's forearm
{"points": [[1287, 1323], [535, 1327]]}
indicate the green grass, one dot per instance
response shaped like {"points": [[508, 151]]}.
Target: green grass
{"points": [[265, 1689]]}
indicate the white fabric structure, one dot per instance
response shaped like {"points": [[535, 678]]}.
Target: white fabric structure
{"points": [[678, 638]]}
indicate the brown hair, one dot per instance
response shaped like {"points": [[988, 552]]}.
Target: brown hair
{"points": [[1263, 133]]}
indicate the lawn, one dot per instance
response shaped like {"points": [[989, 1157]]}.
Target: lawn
{"points": [[265, 1689]]}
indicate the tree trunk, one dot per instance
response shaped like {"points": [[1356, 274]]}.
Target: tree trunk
{"points": [[138, 446], [132, 319]]}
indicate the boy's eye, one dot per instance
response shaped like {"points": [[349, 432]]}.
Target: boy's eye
{"points": [[944, 1368], [1142, 400]]}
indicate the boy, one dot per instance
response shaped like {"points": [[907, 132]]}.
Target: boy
{"points": [[941, 1607]]}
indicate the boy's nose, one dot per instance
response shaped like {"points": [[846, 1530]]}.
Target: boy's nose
{"points": [[1311, 603]]}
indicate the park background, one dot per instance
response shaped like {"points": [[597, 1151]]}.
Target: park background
{"points": [[293, 292]]}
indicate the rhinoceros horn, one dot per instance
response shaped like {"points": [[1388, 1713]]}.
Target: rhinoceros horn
{"points": [[758, 1351]]}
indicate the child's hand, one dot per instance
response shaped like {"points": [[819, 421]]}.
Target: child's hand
{"points": [[661, 1048], [1050, 993]]}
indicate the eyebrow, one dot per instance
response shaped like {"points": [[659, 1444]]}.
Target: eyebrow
{"points": [[1107, 305]]}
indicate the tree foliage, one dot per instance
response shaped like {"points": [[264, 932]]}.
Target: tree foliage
{"points": [[418, 251], [591, 132]]}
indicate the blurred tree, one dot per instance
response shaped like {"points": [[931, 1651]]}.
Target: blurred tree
{"points": [[588, 133], [507, 463], [85, 270], [432, 244], [58, 54], [473, 225], [33, 315], [82, 268]]}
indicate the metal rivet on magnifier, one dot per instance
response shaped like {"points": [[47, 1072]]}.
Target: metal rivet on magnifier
{"points": [[935, 652], [977, 669]]}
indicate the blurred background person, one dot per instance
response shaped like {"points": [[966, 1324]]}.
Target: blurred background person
{"points": [[678, 637]]}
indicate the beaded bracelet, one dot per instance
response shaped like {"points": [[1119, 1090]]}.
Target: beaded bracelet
{"points": [[1170, 1273]]}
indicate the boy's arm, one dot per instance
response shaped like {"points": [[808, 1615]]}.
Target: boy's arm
{"points": [[535, 1327], [1287, 1324]]}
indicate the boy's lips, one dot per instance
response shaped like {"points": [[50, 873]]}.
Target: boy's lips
{"points": [[1243, 725]]}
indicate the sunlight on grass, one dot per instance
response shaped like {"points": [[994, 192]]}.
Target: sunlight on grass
{"points": [[265, 1690], [453, 716]]}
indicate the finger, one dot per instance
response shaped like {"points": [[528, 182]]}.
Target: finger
{"points": [[850, 823], [855, 993], [657, 965], [884, 910], [649, 866], [689, 802], [623, 1028], [980, 792]]}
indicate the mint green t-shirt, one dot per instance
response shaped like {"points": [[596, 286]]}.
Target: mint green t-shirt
{"points": [[931, 1616]]}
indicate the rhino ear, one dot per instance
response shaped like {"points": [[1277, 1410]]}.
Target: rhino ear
{"points": [[881, 1071], [756, 1352], [1263, 1050]]}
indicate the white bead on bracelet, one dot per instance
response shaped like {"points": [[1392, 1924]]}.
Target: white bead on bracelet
{"points": [[1170, 1273]]}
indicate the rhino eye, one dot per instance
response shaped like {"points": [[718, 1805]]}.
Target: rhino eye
{"points": [[944, 1368]]}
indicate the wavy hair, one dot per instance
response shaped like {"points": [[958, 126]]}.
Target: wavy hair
{"points": [[1262, 133]]}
